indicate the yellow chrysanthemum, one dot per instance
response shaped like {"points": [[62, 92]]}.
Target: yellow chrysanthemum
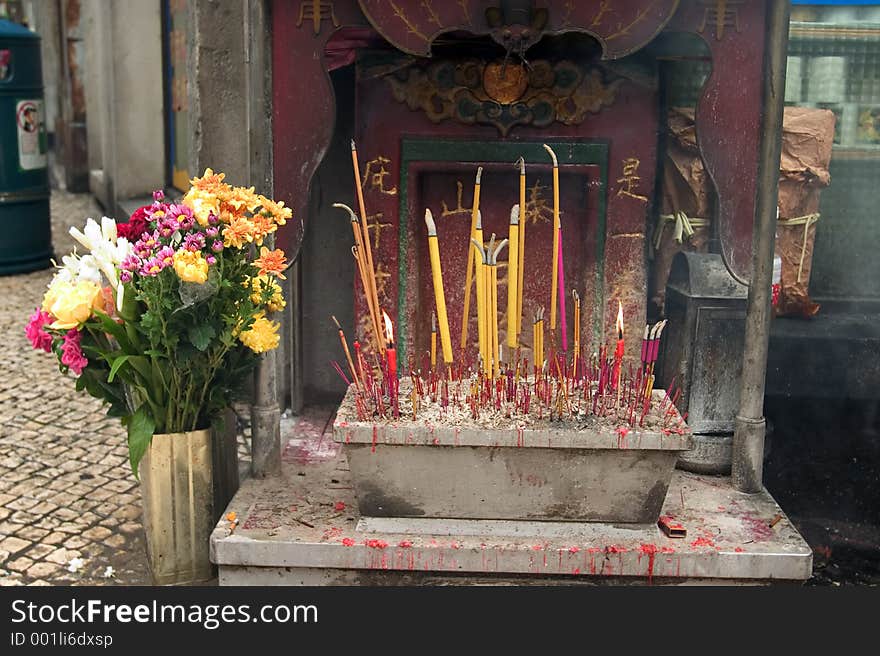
{"points": [[190, 266], [202, 203], [261, 284], [262, 336]]}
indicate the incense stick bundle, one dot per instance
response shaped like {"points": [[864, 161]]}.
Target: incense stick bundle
{"points": [[365, 237], [366, 275], [351, 366]]}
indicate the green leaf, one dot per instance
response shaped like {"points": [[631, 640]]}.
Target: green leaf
{"points": [[114, 367], [200, 335], [113, 328], [140, 433]]}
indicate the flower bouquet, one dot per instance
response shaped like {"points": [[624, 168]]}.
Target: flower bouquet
{"points": [[164, 315]]}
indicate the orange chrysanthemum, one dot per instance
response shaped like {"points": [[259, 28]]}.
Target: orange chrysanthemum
{"points": [[210, 182], [272, 262], [237, 233]]}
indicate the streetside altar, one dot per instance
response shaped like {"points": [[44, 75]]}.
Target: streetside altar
{"points": [[501, 421]]}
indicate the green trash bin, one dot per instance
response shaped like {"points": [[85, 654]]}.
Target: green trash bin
{"points": [[25, 228]]}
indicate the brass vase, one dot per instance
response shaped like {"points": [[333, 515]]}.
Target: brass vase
{"points": [[177, 489]]}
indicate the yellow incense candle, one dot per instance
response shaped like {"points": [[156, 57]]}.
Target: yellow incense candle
{"points": [[554, 256], [479, 257], [433, 340], [472, 262], [522, 243], [439, 297], [482, 303], [513, 277]]}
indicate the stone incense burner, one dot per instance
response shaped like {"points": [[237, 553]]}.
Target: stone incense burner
{"points": [[509, 468]]}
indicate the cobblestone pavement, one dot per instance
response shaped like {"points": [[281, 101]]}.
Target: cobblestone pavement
{"points": [[66, 489]]}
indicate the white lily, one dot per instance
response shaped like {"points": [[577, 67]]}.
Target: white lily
{"points": [[107, 251], [108, 229], [90, 236]]}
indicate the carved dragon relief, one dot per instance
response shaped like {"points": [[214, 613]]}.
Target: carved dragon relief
{"points": [[472, 91]]}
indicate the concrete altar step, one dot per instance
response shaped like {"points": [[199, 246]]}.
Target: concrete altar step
{"points": [[302, 528]]}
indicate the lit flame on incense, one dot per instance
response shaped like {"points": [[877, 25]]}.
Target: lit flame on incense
{"points": [[389, 328], [619, 320]]}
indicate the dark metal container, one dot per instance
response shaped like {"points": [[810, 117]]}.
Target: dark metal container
{"points": [[26, 244]]}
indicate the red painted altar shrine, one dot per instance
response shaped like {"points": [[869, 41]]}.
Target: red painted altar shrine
{"points": [[424, 123]]}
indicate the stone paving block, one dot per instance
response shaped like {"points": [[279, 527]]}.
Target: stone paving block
{"points": [[32, 533], [22, 503], [13, 545], [75, 542], [62, 556], [20, 564], [39, 551], [115, 541], [97, 533]]}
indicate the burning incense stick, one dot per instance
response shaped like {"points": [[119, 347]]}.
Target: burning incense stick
{"points": [[365, 234], [577, 331], [555, 256], [523, 215], [364, 271], [351, 367], [619, 350], [390, 351], [439, 297], [472, 262], [512, 278], [433, 340]]}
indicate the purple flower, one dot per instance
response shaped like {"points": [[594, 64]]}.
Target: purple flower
{"points": [[217, 246], [165, 256], [158, 195], [211, 260], [212, 232], [194, 241], [130, 263], [212, 219]]}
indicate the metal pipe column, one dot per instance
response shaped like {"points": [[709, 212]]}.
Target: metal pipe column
{"points": [[265, 411], [750, 426]]}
